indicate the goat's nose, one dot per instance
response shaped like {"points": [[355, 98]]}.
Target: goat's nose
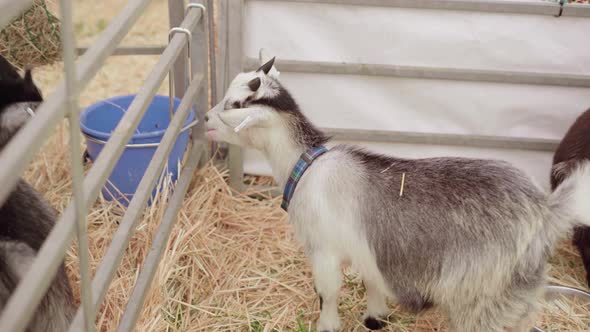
{"points": [[206, 117]]}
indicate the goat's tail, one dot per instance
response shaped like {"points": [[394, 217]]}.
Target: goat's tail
{"points": [[570, 201]]}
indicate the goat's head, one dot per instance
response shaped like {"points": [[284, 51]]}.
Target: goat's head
{"points": [[19, 97], [257, 109], [17, 90]]}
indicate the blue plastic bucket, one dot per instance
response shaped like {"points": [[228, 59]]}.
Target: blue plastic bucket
{"points": [[99, 120]]}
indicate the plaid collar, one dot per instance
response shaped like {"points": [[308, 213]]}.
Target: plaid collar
{"points": [[301, 166]]}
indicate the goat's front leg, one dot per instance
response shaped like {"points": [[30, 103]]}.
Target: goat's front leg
{"points": [[327, 278], [377, 309]]}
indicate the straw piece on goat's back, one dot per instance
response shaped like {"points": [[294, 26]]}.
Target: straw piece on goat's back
{"points": [[401, 189]]}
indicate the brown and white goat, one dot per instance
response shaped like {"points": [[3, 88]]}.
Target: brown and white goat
{"points": [[470, 236], [574, 150]]}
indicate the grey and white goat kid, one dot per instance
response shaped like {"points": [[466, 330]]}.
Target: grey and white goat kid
{"points": [[467, 235], [25, 218]]}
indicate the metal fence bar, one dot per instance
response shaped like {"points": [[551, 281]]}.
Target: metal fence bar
{"points": [[576, 10], [234, 50], [200, 64], [221, 63], [480, 141], [171, 80], [222, 56], [11, 9], [179, 77], [131, 50], [106, 271], [459, 74], [14, 159], [35, 283], [150, 265], [72, 110], [211, 47], [492, 6]]}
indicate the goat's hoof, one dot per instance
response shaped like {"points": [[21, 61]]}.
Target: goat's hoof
{"points": [[373, 323]]}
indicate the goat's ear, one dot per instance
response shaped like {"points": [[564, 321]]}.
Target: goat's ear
{"points": [[267, 64], [254, 84], [243, 118], [561, 170], [28, 75], [265, 68]]}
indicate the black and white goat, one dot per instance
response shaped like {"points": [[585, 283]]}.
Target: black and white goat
{"points": [[25, 218], [467, 235], [573, 150]]}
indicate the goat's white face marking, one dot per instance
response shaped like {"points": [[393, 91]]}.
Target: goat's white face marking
{"points": [[234, 119]]}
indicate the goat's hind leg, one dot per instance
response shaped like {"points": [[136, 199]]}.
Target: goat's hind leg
{"points": [[582, 242], [481, 315], [328, 280], [512, 311]]}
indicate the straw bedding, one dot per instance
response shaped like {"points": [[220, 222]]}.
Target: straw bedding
{"points": [[32, 39]]}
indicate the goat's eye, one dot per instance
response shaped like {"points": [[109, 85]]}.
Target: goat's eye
{"points": [[236, 104]]}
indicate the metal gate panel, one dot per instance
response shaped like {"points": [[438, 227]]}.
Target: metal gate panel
{"points": [[63, 102]]}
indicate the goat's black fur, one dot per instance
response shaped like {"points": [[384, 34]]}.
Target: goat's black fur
{"points": [[305, 132], [25, 218], [14, 88]]}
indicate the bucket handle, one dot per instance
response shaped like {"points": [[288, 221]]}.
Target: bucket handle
{"points": [[141, 145], [171, 71]]}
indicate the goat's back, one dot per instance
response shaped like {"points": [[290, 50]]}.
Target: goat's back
{"points": [[25, 217], [7, 71]]}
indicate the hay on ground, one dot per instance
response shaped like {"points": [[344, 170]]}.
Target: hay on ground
{"points": [[32, 39]]}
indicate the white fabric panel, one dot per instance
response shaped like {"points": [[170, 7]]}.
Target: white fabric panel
{"points": [[438, 106], [322, 32], [385, 35]]}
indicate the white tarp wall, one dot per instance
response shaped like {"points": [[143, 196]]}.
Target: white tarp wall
{"points": [[417, 37]]}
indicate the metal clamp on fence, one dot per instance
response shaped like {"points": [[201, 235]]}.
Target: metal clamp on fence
{"points": [[195, 5], [171, 72]]}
